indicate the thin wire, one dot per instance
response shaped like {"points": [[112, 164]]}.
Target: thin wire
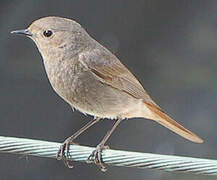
{"points": [[111, 157]]}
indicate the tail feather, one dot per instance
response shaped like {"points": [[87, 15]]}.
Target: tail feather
{"points": [[163, 119]]}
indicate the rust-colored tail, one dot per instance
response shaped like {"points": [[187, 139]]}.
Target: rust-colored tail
{"points": [[160, 117]]}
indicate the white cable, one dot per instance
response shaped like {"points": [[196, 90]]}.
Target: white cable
{"points": [[111, 157]]}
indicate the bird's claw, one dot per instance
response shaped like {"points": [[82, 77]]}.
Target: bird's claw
{"points": [[96, 157], [63, 153]]}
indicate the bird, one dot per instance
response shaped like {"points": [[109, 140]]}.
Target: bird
{"points": [[91, 79]]}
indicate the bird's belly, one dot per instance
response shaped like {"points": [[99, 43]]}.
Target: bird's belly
{"points": [[87, 94]]}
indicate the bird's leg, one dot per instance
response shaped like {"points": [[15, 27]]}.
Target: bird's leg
{"points": [[96, 155], [62, 155]]}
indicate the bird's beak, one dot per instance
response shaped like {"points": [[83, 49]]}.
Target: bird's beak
{"points": [[25, 32]]}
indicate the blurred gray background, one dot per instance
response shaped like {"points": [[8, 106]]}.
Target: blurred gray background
{"points": [[170, 45]]}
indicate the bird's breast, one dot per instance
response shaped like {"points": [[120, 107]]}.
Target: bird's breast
{"points": [[64, 77]]}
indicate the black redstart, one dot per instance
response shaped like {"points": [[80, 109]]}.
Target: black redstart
{"points": [[93, 80]]}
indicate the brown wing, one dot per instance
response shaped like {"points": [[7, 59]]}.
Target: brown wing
{"points": [[112, 72]]}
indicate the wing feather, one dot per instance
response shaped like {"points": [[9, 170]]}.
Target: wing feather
{"points": [[111, 71]]}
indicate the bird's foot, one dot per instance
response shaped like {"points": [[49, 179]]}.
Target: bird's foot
{"points": [[63, 152], [96, 157]]}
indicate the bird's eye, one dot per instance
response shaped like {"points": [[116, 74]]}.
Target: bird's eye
{"points": [[47, 33]]}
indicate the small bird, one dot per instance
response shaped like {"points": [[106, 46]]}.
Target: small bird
{"points": [[93, 80]]}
